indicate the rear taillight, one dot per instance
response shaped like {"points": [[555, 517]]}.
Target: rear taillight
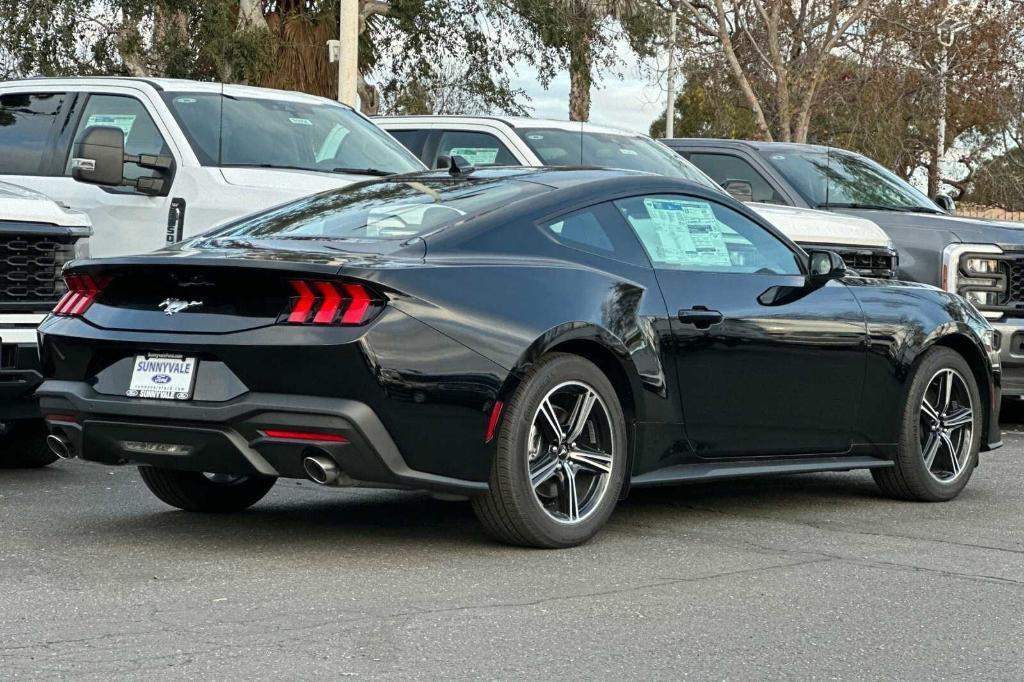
{"points": [[331, 303], [82, 291]]}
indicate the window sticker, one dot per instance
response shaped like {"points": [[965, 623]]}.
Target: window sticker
{"points": [[122, 121], [301, 121], [184, 100], [687, 232], [629, 152], [478, 156]]}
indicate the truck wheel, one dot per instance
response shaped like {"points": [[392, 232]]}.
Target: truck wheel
{"points": [[212, 493], [561, 457], [25, 447], [940, 432]]}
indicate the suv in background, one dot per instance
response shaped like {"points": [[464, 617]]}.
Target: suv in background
{"points": [[983, 260], [193, 154], [37, 237], [491, 141]]}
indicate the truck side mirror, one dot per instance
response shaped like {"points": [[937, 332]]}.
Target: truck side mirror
{"points": [[98, 156], [946, 203], [740, 190]]}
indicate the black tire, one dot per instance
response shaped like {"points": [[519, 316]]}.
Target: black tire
{"points": [[195, 492], [910, 479], [25, 447], [511, 511]]}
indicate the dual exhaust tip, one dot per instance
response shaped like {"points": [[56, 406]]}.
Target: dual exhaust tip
{"points": [[319, 468]]}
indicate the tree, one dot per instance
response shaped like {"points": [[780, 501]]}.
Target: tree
{"points": [[783, 46], [276, 43], [708, 108], [582, 33]]}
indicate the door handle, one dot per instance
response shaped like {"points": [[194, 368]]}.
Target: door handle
{"points": [[700, 317]]}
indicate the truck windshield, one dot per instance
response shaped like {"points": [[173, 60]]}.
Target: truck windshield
{"points": [[557, 147], [380, 210], [281, 133], [838, 179]]}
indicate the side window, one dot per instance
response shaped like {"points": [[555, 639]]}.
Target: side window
{"points": [[598, 230], [141, 135], [480, 149], [26, 121], [725, 167], [410, 139], [687, 233]]}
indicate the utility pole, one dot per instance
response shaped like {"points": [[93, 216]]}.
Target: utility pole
{"points": [[670, 108], [348, 52], [947, 30]]}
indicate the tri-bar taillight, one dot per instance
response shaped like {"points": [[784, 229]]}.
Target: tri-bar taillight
{"points": [[82, 291], [331, 303]]}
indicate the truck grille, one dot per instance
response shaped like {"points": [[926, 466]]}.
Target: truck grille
{"points": [[30, 271], [1015, 281], [880, 264]]}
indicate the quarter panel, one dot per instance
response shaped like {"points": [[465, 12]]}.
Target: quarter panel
{"points": [[904, 320]]}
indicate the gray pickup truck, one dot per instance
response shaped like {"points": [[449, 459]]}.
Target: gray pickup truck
{"points": [[982, 260]]}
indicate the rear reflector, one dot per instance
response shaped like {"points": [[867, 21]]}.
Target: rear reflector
{"points": [[305, 435], [82, 291], [492, 425], [62, 418], [331, 303]]}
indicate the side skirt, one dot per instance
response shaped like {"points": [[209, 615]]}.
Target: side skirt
{"points": [[712, 471]]}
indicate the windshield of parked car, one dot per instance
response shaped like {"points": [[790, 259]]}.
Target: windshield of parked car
{"points": [[838, 179], [280, 133], [381, 210], [557, 147]]}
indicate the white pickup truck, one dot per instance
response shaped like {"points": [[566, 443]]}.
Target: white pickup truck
{"points": [[509, 141], [192, 155], [37, 236]]}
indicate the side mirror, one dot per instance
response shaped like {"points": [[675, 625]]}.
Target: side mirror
{"points": [[740, 190], [98, 156], [946, 203], [826, 265], [443, 162]]}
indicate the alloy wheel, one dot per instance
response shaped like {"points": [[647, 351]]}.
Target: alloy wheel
{"points": [[947, 425], [571, 452]]}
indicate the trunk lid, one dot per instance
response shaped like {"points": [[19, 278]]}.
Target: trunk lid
{"points": [[223, 291]]}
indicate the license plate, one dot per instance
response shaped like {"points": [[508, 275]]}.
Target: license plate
{"points": [[164, 377]]}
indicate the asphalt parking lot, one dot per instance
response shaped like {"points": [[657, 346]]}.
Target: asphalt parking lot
{"points": [[803, 577]]}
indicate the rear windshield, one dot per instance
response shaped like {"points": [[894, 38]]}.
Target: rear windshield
{"points": [[632, 152], [389, 209], [269, 133]]}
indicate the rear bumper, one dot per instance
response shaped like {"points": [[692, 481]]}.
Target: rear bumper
{"points": [[230, 437]]}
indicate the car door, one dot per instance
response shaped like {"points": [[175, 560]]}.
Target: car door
{"points": [[766, 364], [124, 220]]}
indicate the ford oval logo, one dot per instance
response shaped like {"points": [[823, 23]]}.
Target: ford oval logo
{"points": [[161, 379]]}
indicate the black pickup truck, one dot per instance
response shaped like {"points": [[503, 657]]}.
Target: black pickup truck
{"points": [[37, 236], [982, 260]]}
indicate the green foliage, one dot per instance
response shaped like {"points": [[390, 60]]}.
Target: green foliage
{"points": [[707, 110]]}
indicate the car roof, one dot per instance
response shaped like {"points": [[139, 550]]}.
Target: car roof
{"points": [[184, 85], [757, 145], [511, 121]]}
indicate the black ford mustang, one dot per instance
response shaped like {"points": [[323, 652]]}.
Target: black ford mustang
{"points": [[538, 340]]}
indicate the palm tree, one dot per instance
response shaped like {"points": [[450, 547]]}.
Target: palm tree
{"points": [[576, 26]]}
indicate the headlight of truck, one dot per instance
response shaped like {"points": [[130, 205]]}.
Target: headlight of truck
{"points": [[976, 272]]}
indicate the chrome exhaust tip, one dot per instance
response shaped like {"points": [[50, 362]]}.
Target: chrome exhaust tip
{"points": [[59, 446], [321, 469]]}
